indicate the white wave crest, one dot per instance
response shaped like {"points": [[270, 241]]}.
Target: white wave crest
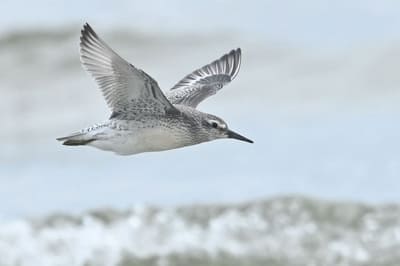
{"points": [[289, 231]]}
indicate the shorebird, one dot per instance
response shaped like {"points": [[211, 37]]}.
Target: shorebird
{"points": [[143, 119]]}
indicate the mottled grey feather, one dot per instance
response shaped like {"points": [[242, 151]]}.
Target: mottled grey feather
{"points": [[206, 81], [128, 90]]}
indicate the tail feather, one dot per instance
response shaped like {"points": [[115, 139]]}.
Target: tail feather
{"points": [[76, 139], [72, 142]]}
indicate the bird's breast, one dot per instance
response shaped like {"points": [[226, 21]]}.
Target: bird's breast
{"points": [[151, 139]]}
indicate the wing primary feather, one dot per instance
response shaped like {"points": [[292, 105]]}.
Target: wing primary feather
{"points": [[127, 90], [207, 80]]}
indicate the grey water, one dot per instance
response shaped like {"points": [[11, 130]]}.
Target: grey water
{"points": [[324, 125], [280, 231]]}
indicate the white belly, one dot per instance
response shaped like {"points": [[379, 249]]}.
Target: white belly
{"points": [[125, 142]]}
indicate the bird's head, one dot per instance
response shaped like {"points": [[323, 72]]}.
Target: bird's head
{"points": [[217, 129]]}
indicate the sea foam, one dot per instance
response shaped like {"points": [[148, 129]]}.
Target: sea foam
{"points": [[281, 231]]}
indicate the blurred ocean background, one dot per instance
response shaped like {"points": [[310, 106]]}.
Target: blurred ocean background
{"points": [[318, 92]]}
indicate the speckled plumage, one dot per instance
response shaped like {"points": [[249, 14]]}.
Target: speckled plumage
{"points": [[143, 118]]}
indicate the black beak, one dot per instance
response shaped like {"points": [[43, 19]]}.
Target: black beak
{"points": [[234, 135]]}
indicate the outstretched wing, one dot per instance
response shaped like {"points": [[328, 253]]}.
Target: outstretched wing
{"points": [[206, 81], [127, 90]]}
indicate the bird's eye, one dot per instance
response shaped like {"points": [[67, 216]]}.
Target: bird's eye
{"points": [[214, 124]]}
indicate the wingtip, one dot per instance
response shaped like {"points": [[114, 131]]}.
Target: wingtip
{"points": [[87, 30], [237, 60], [86, 26], [237, 50], [88, 35], [84, 31]]}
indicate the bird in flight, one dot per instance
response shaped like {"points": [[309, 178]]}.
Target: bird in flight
{"points": [[143, 119]]}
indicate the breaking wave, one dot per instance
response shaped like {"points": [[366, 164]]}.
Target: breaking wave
{"points": [[281, 231]]}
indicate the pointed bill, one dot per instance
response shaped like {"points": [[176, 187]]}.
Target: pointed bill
{"points": [[234, 135]]}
